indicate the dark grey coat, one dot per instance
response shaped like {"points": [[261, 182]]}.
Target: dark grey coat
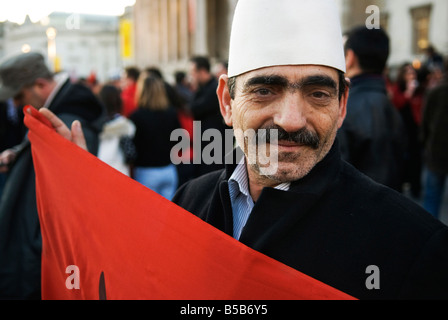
{"points": [[373, 138], [20, 237]]}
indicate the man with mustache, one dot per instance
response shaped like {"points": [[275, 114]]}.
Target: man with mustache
{"points": [[315, 212]]}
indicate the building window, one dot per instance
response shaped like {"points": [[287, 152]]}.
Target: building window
{"points": [[421, 18]]}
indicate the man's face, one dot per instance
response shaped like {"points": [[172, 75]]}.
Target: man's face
{"points": [[30, 95], [302, 102]]}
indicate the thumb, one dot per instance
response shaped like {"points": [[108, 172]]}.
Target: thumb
{"points": [[78, 135]]}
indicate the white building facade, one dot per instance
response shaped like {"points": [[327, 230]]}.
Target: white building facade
{"points": [[412, 25], [75, 43], [167, 33]]}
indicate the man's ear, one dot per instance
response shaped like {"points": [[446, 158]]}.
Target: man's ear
{"points": [[225, 100], [350, 59], [343, 104]]}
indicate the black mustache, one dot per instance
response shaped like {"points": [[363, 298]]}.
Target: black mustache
{"points": [[302, 136]]}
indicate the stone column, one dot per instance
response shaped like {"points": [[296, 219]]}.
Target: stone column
{"points": [[200, 37], [184, 35]]}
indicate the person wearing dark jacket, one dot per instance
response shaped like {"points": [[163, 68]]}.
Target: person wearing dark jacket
{"points": [[155, 119], [305, 206], [12, 130], [204, 107], [332, 225], [435, 141], [316, 213], [27, 78], [372, 137]]}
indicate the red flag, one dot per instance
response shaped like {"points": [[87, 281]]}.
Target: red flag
{"points": [[107, 236]]}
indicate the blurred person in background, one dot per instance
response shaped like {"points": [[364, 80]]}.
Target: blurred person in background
{"points": [[12, 130], [131, 75], [372, 137], [92, 83], [116, 139], [182, 87], [28, 80], [435, 142], [205, 106], [221, 68], [407, 97], [173, 97], [155, 119], [433, 59]]}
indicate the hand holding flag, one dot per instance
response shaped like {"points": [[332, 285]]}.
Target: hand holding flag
{"points": [[75, 135]]}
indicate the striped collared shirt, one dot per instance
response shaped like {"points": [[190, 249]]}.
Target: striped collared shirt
{"points": [[242, 203]]}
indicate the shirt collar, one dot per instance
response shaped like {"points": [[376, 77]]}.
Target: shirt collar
{"points": [[60, 79], [238, 181]]}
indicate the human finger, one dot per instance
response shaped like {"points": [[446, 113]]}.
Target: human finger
{"points": [[78, 135], [57, 123]]}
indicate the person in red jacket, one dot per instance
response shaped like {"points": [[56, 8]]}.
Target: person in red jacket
{"points": [[129, 89], [407, 97]]}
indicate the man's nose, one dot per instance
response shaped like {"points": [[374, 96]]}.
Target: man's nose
{"points": [[291, 113]]}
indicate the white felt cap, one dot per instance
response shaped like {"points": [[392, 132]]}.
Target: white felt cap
{"points": [[269, 33]]}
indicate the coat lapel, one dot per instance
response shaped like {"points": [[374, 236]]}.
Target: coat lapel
{"points": [[278, 212], [220, 213]]}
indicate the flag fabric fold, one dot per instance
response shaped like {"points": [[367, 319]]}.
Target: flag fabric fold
{"points": [[107, 236]]}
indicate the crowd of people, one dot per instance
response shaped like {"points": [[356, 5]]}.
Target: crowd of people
{"points": [[412, 94], [127, 122], [395, 131], [404, 167], [144, 110], [388, 133], [141, 112], [134, 140]]}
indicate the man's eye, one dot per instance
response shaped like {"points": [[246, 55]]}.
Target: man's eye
{"points": [[320, 95], [263, 92]]}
